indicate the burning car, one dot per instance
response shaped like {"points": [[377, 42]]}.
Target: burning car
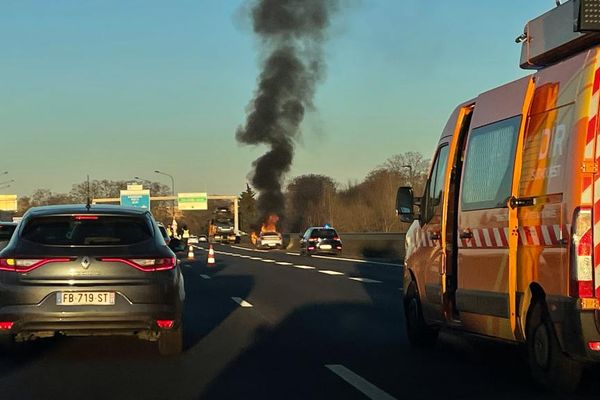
{"points": [[269, 237], [269, 240]]}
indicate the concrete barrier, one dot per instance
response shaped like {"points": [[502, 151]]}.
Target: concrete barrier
{"points": [[377, 245], [388, 246]]}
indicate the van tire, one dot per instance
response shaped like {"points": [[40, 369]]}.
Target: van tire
{"points": [[418, 332], [549, 366], [170, 342]]}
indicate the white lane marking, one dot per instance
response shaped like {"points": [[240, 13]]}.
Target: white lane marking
{"points": [[241, 256], [256, 258], [359, 383], [328, 272], [283, 263], [239, 247], [358, 261], [241, 302], [365, 280], [204, 276], [293, 254], [267, 260], [303, 266]]}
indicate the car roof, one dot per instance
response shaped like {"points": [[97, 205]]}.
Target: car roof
{"points": [[83, 209]]}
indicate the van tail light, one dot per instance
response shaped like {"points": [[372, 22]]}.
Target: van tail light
{"points": [[582, 245], [27, 264], [146, 264]]}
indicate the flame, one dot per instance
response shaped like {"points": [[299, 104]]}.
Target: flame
{"points": [[253, 237], [270, 224]]}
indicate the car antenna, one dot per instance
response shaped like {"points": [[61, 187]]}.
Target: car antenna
{"points": [[88, 204]]}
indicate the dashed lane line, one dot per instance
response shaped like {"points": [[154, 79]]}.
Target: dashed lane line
{"points": [[256, 258], [329, 272], [203, 276], [358, 261], [303, 266], [364, 280], [293, 254], [241, 302], [359, 383], [283, 263], [267, 260]]}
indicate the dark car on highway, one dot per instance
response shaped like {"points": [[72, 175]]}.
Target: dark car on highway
{"points": [[320, 240], [6, 231], [90, 270]]}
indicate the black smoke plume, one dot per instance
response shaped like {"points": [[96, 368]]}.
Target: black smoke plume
{"points": [[292, 33]]}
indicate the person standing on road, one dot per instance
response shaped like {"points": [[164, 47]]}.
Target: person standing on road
{"points": [[185, 235]]}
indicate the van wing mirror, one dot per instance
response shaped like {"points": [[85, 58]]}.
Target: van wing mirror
{"points": [[405, 203]]}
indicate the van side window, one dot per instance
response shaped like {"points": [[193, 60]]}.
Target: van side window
{"points": [[435, 185], [489, 164]]}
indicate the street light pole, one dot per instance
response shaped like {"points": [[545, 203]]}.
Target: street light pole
{"points": [[410, 174], [172, 189]]}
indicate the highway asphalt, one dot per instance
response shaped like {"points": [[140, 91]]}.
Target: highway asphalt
{"points": [[273, 325]]}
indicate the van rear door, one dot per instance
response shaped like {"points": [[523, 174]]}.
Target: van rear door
{"points": [[487, 226]]}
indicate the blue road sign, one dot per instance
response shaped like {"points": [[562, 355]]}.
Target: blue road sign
{"points": [[136, 198]]}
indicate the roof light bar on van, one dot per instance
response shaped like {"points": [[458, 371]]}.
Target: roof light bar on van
{"points": [[582, 244]]}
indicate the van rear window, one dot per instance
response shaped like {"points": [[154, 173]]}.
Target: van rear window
{"points": [[102, 230]]}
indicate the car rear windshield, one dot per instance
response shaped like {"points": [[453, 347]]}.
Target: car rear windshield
{"points": [[270, 234], [87, 230], [324, 233], [6, 232]]}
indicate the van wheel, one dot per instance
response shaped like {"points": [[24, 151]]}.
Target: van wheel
{"points": [[418, 332], [550, 367], [171, 342]]}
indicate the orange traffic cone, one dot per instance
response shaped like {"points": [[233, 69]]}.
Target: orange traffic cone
{"points": [[190, 252], [211, 256]]}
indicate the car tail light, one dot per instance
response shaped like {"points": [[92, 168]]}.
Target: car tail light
{"points": [[6, 325], [146, 264], [313, 239], [594, 346], [582, 278], [27, 264], [85, 217], [165, 323], [336, 238]]}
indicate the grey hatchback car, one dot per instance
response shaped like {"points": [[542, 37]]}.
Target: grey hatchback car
{"points": [[97, 270]]}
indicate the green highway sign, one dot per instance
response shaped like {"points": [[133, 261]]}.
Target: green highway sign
{"points": [[192, 201]]}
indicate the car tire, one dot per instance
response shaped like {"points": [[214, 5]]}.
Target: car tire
{"points": [[418, 332], [549, 366], [170, 342]]}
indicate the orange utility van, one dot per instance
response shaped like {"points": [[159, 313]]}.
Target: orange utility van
{"points": [[506, 239]]}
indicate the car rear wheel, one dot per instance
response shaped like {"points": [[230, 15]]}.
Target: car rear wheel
{"points": [[550, 367], [170, 342], [418, 332]]}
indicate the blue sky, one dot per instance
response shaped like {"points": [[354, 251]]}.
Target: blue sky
{"points": [[119, 88]]}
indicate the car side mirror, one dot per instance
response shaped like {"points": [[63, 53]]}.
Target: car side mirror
{"points": [[405, 203]]}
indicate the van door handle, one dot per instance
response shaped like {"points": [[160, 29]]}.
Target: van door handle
{"points": [[434, 236], [466, 234]]}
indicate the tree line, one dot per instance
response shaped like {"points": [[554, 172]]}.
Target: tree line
{"points": [[311, 200], [366, 206]]}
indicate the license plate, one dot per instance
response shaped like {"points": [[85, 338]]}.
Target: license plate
{"points": [[85, 298], [325, 247]]}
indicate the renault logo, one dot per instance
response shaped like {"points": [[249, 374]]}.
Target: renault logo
{"points": [[85, 262]]}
